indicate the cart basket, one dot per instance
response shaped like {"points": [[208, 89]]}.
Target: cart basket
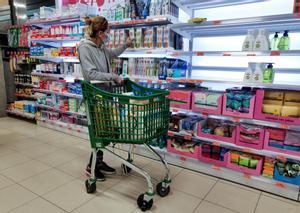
{"points": [[127, 113]]}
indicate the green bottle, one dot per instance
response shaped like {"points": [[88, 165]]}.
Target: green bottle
{"points": [[284, 43], [269, 74]]}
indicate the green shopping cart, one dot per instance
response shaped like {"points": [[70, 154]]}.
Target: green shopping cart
{"points": [[127, 114]]}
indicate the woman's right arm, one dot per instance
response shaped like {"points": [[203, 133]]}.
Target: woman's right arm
{"points": [[89, 69]]}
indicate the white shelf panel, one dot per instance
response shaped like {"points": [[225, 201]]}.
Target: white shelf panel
{"points": [[240, 26], [48, 75], [59, 110], [58, 39], [25, 84], [55, 20], [65, 94], [20, 113], [57, 59], [71, 129]]}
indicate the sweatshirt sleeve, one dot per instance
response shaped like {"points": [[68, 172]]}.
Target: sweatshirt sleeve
{"points": [[89, 69], [113, 53]]}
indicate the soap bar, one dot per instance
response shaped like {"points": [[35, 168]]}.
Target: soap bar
{"points": [[272, 109], [274, 102], [290, 111], [288, 103], [274, 95], [244, 161], [200, 98], [212, 99], [292, 96]]}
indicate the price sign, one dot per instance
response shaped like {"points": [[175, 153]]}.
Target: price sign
{"points": [[280, 185], [247, 176], [188, 137], [183, 158], [217, 168]]}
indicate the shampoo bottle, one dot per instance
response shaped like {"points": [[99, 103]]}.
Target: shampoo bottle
{"points": [[258, 73], [269, 74], [262, 42], [284, 43], [249, 41], [275, 42], [248, 76]]}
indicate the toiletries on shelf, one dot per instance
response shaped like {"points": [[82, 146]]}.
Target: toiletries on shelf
{"points": [[263, 73], [275, 42], [262, 42], [258, 73], [284, 43], [269, 74], [249, 42]]}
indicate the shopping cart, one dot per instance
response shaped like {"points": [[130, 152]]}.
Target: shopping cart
{"points": [[127, 114]]}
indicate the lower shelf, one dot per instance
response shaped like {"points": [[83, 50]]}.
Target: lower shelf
{"points": [[268, 185], [71, 129], [20, 113]]}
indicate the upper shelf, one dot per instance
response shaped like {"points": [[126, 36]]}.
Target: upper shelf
{"points": [[55, 20], [240, 26], [190, 5]]}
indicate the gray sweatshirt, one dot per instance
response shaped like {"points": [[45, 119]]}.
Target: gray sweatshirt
{"points": [[95, 61]]}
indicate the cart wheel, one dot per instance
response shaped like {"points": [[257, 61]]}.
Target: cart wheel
{"points": [[162, 191], [143, 204], [90, 186], [126, 169]]}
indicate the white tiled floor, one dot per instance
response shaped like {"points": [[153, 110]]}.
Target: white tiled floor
{"points": [[43, 171]]}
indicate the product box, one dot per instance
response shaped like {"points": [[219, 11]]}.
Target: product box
{"points": [[214, 134], [180, 98], [151, 38], [250, 136], [287, 113], [132, 35], [139, 38], [208, 155], [117, 38], [122, 37], [111, 43], [160, 37], [291, 175], [207, 102], [169, 37], [183, 147]]}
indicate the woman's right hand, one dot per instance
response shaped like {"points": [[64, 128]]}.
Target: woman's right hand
{"points": [[119, 80]]}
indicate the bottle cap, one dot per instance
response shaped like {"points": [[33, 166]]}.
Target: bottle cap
{"points": [[276, 35], [286, 33]]}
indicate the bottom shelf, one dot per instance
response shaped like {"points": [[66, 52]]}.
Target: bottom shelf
{"points": [[71, 129], [268, 185], [20, 113]]}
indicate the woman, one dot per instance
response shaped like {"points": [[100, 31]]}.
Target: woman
{"points": [[95, 62]]}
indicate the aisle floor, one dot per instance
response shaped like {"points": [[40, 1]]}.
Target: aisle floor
{"points": [[42, 170]]}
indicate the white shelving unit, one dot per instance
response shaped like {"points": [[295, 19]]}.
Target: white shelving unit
{"points": [[23, 114], [65, 94]]}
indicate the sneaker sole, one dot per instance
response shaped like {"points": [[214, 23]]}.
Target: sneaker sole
{"points": [[88, 174], [108, 173]]}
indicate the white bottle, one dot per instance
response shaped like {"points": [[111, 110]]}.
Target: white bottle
{"points": [[262, 42], [258, 74], [248, 76], [248, 44]]}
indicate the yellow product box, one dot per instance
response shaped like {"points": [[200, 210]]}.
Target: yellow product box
{"points": [[292, 97], [274, 95], [272, 109], [273, 102], [287, 103], [290, 111]]}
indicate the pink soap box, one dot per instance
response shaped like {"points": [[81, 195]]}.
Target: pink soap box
{"points": [[248, 141], [268, 117], [207, 110], [250, 114], [215, 137], [183, 96]]}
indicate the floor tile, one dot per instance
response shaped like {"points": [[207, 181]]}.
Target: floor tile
{"points": [[157, 170], [293, 202], [75, 167], [4, 182], [109, 202], [268, 204], [5, 150], [25, 170], [23, 144], [176, 202], [39, 150], [69, 196], [14, 196], [13, 137], [79, 149], [240, 186], [211, 208], [37, 206], [57, 158], [10, 160], [4, 131], [193, 183], [233, 197], [46, 181]]}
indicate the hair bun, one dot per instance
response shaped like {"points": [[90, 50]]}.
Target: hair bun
{"points": [[88, 20]]}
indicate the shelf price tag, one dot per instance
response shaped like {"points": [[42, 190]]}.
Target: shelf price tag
{"points": [[226, 54], [251, 54], [217, 22], [188, 137], [217, 168], [216, 143], [182, 158], [247, 176], [280, 185], [199, 53], [283, 126], [149, 81], [247, 150], [171, 134], [281, 157], [237, 120], [275, 53], [175, 110]]}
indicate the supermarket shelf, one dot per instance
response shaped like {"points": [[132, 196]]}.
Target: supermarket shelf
{"points": [[168, 80], [71, 129], [244, 53], [269, 185], [25, 84], [20, 113], [190, 5], [48, 75], [56, 20], [227, 145], [57, 59], [59, 110], [65, 94], [240, 26], [242, 120], [149, 21], [58, 39], [25, 96]]}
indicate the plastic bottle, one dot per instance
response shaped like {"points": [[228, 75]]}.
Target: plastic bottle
{"points": [[262, 42], [248, 76], [284, 43], [258, 73], [275, 42], [269, 74], [249, 41]]}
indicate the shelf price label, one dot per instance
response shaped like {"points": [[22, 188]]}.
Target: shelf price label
{"points": [[216, 143], [247, 176], [283, 126], [188, 137], [281, 157], [199, 53], [280, 185], [275, 53], [226, 54], [217, 168], [171, 134], [237, 120], [182, 158], [247, 150]]}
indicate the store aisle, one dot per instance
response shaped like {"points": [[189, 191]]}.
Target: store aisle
{"points": [[43, 171]]}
